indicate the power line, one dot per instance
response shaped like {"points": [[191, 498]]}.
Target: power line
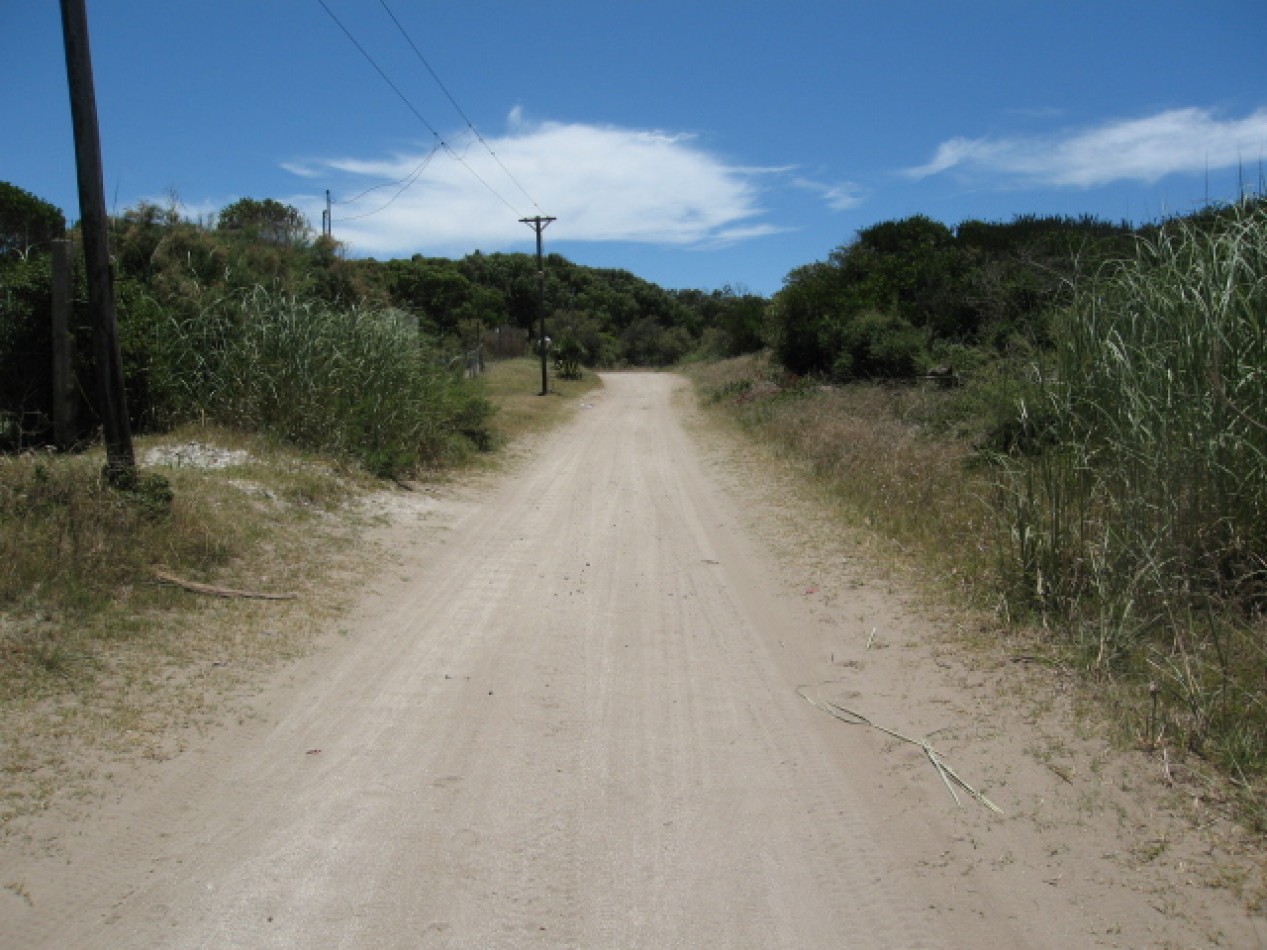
{"points": [[403, 98], [406, 181], [405, 184], [379, 70], [411, 177], [465, 118]]}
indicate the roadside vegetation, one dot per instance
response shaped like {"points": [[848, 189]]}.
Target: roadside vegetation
{"points": [[1088, 462], [103, 657], [273, 387], [249, 320], [1136, 501], [1061, 418]]}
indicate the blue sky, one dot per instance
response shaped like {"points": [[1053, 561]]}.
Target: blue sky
{"points": [[695, 143]]}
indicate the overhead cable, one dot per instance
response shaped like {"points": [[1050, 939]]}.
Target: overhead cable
{"points": [[411, 177], [405, 183], [403, 98], [465, 118]]}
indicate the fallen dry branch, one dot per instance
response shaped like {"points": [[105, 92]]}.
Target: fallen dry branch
{"points": [[943, 768], [197, 588]]}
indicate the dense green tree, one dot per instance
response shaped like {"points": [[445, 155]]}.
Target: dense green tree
{"points": [[334, 278], [28, 225], [732, 318], [137, 235], [267, 220], [875, 345], [26, 221], [922, 285], [432, 288], [598, 345], [813, 297], [25, 341], [618, 317], [914, 268]]}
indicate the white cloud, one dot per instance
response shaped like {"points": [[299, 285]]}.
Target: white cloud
{"points": [[301, 169], [602, 184], [838, 197], [1146, 150]]}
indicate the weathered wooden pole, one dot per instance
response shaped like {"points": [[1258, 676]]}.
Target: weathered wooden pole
{"points": [[120, 460], [539, 224]]}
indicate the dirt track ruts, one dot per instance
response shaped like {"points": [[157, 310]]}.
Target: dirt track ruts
{"points": [[564, 716]]}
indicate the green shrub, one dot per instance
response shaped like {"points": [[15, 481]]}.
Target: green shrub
{"points": [[359, 382], [567, 357], [875, 345]]}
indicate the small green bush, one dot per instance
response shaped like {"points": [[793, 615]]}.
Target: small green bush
{"points": [[875, 345]]}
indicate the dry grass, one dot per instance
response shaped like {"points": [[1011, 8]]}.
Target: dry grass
{"points": [[916, 487], [98, 659], [514, 386], [871, 448], [100, 663]]}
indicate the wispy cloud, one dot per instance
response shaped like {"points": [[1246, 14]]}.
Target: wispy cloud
{"points": [[840, 196], [1146, 150], [602, 183]]}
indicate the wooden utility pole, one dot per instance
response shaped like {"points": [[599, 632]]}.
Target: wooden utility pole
{"points": [[120, 460], [539, 224]]}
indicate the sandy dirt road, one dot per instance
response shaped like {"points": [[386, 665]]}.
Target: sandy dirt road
{"points": [[565, 715]]}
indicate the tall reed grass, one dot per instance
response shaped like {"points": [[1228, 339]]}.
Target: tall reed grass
{"points": [[892, 457], [1140, 520], [358, 382]]}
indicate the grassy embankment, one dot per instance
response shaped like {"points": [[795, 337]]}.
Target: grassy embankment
{"points": [[98, 656], [1105, 500]]}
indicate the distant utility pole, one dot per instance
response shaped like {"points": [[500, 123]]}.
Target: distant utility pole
{"points": [[327, 221], [120, 460], [539, 224]]}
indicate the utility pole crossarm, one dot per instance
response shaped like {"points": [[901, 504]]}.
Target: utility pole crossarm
{"points": [[539, 224]]}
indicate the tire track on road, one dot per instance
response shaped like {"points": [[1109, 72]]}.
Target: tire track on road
{"points": [[570, 722]]}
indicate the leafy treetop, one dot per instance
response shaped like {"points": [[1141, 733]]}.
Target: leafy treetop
{"points": [[267, 220], [26, 221]]}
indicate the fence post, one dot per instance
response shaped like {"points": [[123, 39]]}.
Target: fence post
{"points": [[63, 350]]}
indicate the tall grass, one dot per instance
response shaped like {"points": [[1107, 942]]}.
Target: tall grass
{"points": [[1129, 502], [358, 382], [892, 457], [514, 386], [1141, 518]]}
